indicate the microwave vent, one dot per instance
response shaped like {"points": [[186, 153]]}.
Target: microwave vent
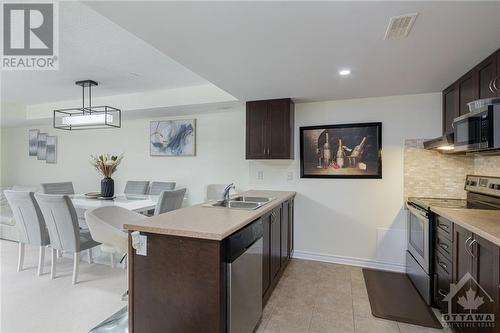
{"points": [[400, 26]]}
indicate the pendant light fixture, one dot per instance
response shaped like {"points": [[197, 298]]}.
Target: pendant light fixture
{"points": [[87, 117]]}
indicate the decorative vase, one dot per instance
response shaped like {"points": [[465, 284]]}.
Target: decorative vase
{"points": [[107, 187]]}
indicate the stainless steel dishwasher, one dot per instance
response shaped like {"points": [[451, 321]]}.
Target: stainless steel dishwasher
{"points": [[244, 278]]}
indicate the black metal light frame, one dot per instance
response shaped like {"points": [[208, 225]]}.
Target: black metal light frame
{"points": [[87, 110]]}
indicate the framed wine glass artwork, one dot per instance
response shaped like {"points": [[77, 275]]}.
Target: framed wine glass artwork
{"points": [[341, 151]]}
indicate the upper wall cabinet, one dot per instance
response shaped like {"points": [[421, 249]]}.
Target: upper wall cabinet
{"points": [[483, 81], [269, 129]]}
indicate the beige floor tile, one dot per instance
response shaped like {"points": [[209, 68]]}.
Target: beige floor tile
{"points": [[289, 321], [362, 308], [374, 325], [335, 301], [324, 321]]}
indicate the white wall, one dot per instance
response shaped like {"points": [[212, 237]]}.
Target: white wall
{"points": [[220, 156], [351, 219], [343, 220]]}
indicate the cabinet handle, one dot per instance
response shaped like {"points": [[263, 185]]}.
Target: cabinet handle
{"points": [[268, 151], [493, 85], [445, 226], [470, 248], [443, 246], [466, 245], [441, 293], [442, 264]]}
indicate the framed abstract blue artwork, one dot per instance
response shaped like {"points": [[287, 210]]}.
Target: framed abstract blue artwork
{"points": [[173, 137]]}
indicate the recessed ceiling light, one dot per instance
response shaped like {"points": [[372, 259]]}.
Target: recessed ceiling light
{"points": [[344, 72]]}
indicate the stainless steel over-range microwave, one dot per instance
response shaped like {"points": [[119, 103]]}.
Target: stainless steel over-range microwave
{"points": [[478, 130]]}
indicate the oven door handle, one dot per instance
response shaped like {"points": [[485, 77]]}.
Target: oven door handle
{"points": [[417, 212]]}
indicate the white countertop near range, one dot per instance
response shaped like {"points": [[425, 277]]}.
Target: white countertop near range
{"points": [[208, 222]]}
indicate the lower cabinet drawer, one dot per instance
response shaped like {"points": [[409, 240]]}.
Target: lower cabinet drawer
{"points": [[444, 244], [445, 226], [443, 264], [441, 289]]}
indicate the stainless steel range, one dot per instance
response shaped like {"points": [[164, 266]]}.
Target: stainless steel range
{"points": [[482, 193]]}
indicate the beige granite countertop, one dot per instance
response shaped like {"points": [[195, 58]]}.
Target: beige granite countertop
{"points": [[208, 222], [484, 223]]}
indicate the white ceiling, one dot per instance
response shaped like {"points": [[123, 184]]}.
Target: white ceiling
{"points": [[93, 47], [256, 50]]}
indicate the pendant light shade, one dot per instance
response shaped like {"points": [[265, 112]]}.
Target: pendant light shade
{"points": [[87, 117]]}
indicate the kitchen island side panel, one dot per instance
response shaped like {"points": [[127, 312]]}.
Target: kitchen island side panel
{"points": [[178, 286]]}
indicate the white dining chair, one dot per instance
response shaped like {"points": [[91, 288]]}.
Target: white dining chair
{"points": [[156, 188], [30, 224], [67, 189], [58, 188], [169, 200], [136, 187], [106, 226], [65, 234]]}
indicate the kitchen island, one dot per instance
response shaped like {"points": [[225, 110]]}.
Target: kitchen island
{"points": [[180, 284]]}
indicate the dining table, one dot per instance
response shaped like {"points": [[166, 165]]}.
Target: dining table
{"points": [[135, 202]]}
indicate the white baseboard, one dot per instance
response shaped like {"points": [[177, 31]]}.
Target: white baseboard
{"points": [[365, 263]]}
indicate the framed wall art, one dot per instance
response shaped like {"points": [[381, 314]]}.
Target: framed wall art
{"points": [[341, 151], [173, 137]]}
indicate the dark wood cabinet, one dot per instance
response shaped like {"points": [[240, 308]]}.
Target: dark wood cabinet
{"points": [[466, 253], [269, 129], [466, 91], [291, 227], [497, 77], [475, 84], [266, 254], [275, 242], [285, 221], [486, 73], [486, 270], [278, 228], [256, 127], [450, 108]]}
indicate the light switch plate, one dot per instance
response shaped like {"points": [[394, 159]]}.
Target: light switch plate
{"points": [[260, 174], [142, 249], [289, 176], [140, 243]]}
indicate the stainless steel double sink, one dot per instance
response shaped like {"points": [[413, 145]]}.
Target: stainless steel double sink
{"points": [[241, 202]]}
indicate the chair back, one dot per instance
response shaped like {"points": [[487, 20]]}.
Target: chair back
{"points": [[28, 216], [61, 220], [106, 226], [169, 200], [157, 187], [136, 187], [215, 191], [58, 188]]}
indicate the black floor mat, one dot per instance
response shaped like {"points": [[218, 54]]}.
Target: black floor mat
{"points": [[392, 296]]}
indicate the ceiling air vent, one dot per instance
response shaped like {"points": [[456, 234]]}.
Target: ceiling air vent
{"points": [[400, 26]]}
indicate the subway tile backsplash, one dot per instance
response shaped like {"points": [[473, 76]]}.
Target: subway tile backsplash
{"points": [[433, 174], [428, 173]]}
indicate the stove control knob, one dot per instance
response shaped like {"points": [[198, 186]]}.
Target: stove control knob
{"points": [[473, 183], [492, 186], [498, 187]]}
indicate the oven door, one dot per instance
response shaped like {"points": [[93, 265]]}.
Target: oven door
{"points": [[418, 236]]}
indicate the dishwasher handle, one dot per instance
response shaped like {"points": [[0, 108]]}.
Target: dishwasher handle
{"points": [[240, 241]]}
